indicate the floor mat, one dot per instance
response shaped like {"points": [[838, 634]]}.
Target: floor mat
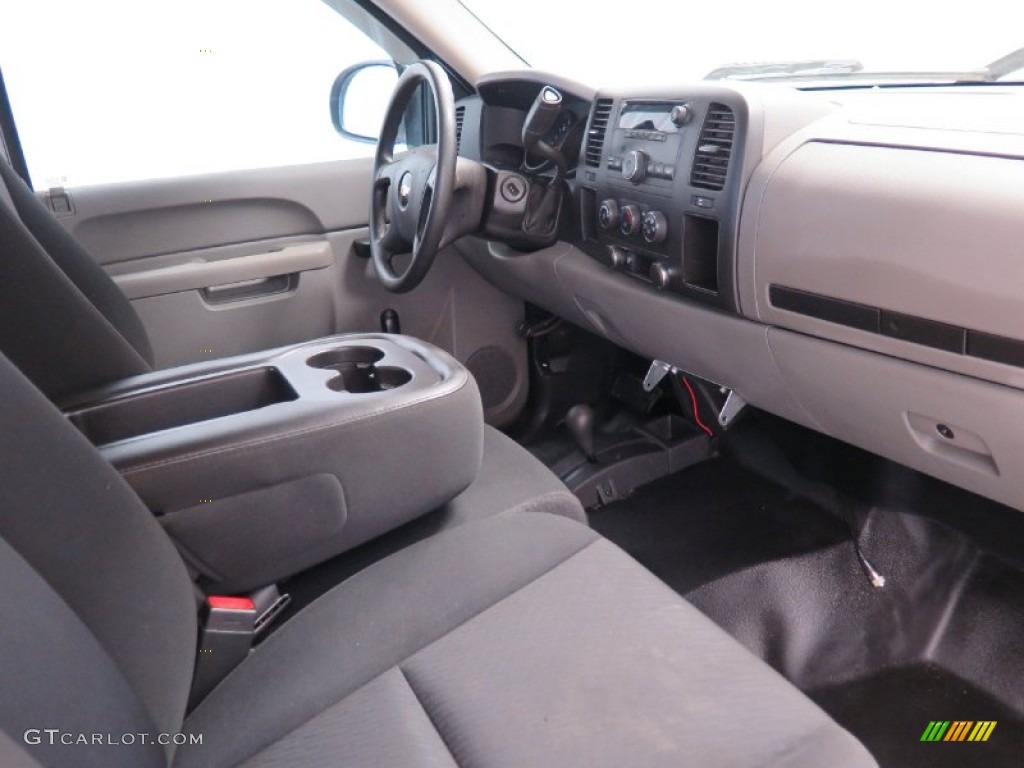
{"points": [[765, 550], [890, 710], [711, 520]]}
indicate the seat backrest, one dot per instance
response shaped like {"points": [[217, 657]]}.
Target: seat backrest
{"points": [[63, 321], [99, 622]]}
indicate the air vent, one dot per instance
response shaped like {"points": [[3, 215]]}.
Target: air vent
{"points": [[460, 117], [714, 147], [595, 136]]}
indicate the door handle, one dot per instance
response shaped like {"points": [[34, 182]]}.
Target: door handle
{"points": [[198, 275]]}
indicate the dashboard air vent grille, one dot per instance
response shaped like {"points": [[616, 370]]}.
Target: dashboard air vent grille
{"points": [[714, 148], [460, 118], [595, 136]]}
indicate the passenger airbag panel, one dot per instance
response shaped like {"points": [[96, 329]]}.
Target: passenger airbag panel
{"points": [[931, 236]]}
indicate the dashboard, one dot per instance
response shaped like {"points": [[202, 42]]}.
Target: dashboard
{"points": [[849, 260], [492, 126]]}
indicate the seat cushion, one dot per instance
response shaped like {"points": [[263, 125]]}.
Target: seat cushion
{"points": [[95, 338], [511, 641], [511, 479]]}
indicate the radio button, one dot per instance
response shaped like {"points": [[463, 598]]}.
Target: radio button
{"points": [[680, 114], [663, 276], [634, 166], [617, 258]]}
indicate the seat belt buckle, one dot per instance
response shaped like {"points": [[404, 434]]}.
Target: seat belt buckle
{"points": [[225, 639], [229, 615]]}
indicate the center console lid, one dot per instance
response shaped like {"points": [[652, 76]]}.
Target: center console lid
{"points": [[264, 464]]}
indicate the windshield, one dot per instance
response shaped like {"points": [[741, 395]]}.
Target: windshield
{"points": [[671, 41]]}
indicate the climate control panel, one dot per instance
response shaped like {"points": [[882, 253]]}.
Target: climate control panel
{"points": [[659, 188], [641, 229], [633, 220]]}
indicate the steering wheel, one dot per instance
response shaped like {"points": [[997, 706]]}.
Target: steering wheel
{"points": [[411, 198]]}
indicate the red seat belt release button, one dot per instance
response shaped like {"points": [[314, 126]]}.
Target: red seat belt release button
{"points": [[226, 637], [230, 614]]}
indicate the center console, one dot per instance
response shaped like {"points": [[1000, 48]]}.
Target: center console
{"points": [[660, 175], [261, 465]]}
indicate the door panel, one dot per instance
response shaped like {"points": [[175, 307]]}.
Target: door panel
{"points": [[133, 220], [213, 303], [217, 276], [231, 261], [271, 261], [226, 263]]}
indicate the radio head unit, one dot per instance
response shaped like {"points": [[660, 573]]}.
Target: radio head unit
{"points": [[649, 135], [653, 116], [661, 189]]}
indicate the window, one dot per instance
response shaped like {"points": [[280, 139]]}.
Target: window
{"points": [[120, 90]]}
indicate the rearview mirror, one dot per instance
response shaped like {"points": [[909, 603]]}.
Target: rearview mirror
{"points": [[359, 99]]}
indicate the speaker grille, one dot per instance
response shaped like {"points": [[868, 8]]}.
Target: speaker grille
{"points": [[495, 372]]}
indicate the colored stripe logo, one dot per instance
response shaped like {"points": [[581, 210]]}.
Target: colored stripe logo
{"points": [[958, 730]]}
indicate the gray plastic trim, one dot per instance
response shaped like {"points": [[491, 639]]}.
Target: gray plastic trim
{"points": [[894, 408], [898, 202], [206, 274], [712, 344], [120, 222]]}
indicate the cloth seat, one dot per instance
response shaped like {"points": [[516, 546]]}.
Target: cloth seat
{"points": [[519, 640], [515, 640], [510, 480], [97, 338]]}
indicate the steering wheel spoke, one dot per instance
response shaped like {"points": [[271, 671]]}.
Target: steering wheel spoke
{"points": [[393, 242], [387, 172]]}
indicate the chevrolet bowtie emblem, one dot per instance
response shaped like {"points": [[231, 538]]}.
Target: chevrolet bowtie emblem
{"points": [[404, 189]]}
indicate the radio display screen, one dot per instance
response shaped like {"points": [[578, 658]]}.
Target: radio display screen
{"points": [[647, 116]]}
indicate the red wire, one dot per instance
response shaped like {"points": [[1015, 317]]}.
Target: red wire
{"points": [[696, 413]]}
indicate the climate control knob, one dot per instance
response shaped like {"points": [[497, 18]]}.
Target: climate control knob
{"points": [[608, 214], [634, 166], [655, 226], [662, 276], [629, 220]]}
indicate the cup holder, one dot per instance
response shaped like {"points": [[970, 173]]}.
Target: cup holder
{"points": [[345, 356], [358, 371]]}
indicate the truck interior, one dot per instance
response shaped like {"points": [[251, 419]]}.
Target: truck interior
{"points": [[645, 424]]}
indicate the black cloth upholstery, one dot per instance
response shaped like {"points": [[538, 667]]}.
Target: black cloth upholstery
{"points": [[520, 639], [511, 479], [75, 524], [63, 321], [560, 650]]}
